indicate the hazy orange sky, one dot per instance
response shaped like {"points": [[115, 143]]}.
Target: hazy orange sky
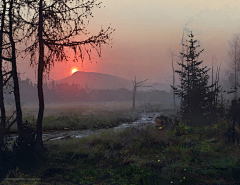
{"points": [[147, 29]]}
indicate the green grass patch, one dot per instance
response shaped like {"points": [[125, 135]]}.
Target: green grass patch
{"points": [[141, 157], [104, 119]]}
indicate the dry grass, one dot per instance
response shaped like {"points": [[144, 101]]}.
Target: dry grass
{"points": [[79, 108], [81, 115]]}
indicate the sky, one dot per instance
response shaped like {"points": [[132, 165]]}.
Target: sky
{"points": [[145, 31]]}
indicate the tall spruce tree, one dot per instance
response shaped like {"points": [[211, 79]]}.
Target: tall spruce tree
{"points": [[195, 94]]}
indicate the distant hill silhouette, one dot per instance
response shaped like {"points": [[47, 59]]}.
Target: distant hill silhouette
{"points": [[69, 91], [94, 80]]}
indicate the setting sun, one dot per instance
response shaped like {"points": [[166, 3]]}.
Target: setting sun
{"points": [[74, 70]]}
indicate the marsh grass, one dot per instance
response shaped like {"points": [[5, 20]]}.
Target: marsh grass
{"points": [[81, 115], [69, 119], [72, 108], [140, 156]]}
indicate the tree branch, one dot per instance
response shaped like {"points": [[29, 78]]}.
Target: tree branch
{"points": [[7, 80]]}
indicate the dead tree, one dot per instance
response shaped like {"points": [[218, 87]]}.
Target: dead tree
{"points": [[2, 106], [234, 54], [14, 71], [213, 60], [135, 86], [182, 58], [172, 55], [11, 26]]}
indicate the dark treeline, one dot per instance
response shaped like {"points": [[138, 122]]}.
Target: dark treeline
{"points": [[64, 92]]}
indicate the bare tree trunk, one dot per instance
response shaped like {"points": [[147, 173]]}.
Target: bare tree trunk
{"points": [[182, 56], [134, 92], [2, 106], [217, 85], [182, 49], [15, 76], [235, 62], [212, 75], [188, 88], [213, 94], [173, 83], [40, 79], [135, 86]]}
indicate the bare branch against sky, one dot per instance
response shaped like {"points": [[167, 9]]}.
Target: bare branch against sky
{"points": [[144, 29]]}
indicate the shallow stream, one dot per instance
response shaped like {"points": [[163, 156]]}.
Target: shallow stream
{"points": [[144, 120]]}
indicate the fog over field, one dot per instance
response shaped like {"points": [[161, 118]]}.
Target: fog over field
{"points": [[146, 30], [120, 92]]}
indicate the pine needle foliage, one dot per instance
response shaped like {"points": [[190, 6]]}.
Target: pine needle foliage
{"points": [[194, 92]]}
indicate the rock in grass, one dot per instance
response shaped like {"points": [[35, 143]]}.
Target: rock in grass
{"points": [[158, 121]]}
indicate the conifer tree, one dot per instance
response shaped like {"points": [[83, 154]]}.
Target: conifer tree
{"points": [[195, 94]]}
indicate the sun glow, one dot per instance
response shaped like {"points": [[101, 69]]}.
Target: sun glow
{"points": [[74, 70]]}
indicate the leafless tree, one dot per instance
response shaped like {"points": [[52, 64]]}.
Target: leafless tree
{"points": [[53, 29], [8, 55], [234, 54], [172, 55], [13, 61], [135, 86], [2, 106]]}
